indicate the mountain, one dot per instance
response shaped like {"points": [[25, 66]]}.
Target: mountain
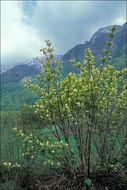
{"points": [[19, 72], [13, 92], [97, 43], [4, 68]]}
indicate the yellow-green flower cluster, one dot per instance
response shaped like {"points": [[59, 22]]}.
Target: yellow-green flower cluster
{"points": [[18, 132], [30, 143], [11, 165], [54, 149], [51, 163]]}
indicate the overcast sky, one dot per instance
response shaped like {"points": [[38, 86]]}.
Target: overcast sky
{"points": [[26, 24]]}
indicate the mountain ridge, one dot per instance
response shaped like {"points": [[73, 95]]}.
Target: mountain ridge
{"points": [[97, 43]]}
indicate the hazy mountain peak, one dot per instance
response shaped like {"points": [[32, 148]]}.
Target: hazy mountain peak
{"points": [[103, 31]]}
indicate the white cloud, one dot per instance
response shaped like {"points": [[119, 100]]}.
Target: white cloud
{"points": [[18, 40], [120, 20]]}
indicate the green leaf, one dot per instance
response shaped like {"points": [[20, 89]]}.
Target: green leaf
{"points": [[88, 182]]}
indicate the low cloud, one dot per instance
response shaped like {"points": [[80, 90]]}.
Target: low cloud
{"points": [[19, 41]]}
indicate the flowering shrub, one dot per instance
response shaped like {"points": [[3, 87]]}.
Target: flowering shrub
{"points": [[86, 110], [90, 108]]}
